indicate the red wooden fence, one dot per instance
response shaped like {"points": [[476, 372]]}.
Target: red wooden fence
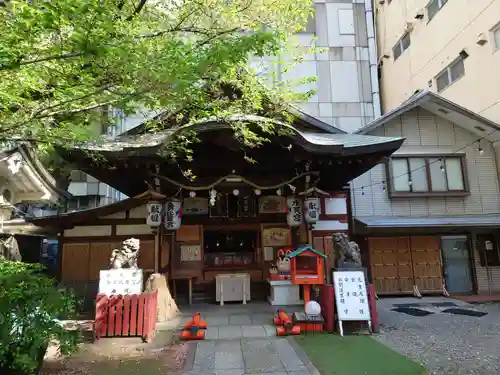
{"points": [[129, 315]]}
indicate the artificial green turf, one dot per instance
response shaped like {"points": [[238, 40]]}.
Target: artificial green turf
{"points": [[355, 355]]}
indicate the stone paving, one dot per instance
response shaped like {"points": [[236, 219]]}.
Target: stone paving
{"points": [[445, 344], [240, 341]]}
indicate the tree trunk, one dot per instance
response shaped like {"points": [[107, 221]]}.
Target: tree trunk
{"points": [[167, 308]]}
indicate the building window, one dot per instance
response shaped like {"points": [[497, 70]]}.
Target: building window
{"points": [[402, 45], [451, 74], [78, 176], [427, 176], [487, 245], [434, 7], [496, 36]]}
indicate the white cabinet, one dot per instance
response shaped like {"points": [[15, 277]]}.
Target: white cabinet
{"points": [[232, 287]]}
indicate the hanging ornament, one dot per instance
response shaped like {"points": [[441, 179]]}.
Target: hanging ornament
{"points": [[278, 192], [213, 197], [192, 194], [479, 148], [236, 192], [257, 192]]}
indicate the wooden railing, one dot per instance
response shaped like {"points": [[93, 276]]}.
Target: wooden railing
{"points": [[124, 316]]}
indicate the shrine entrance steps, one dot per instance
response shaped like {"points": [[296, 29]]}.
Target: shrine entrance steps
{"points": [[240, 340]]}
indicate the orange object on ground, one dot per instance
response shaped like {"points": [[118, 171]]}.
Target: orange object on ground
{"points": [[190, 335], [285, 331], [197, 322], [282, 319], [310, 327]]}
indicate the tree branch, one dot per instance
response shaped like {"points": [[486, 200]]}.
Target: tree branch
{"points": [[137, 9], [47, 58]]}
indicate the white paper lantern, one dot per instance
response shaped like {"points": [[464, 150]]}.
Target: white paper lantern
{"points": [[153, 218], [192, 194], [311, 210], [294, 215], [313, 308], [173, 214]]}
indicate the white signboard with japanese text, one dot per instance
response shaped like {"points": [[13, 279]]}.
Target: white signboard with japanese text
{"points": [[351, 297], [120, 281]]}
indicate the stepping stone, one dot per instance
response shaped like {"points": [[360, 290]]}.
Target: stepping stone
{"points": [[412, 311], [466, 312]]}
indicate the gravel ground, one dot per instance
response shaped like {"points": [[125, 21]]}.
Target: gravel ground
{"points": [[445, 344]]}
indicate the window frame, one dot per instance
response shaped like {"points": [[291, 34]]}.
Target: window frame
{"points": [[494, 30], [480, 244], [393, 193], [441, 4], [399, 44], [447, 71]]}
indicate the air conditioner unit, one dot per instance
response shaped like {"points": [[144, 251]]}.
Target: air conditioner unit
{"points": [[420, 14], [481, 39]]}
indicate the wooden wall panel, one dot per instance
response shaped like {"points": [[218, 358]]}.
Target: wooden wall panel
{"points": [[390, 263], [189, 234], [426, 260], [147, 255], [75, 262], [324, 244], [100, 252], [399, 263], [166, 245]]}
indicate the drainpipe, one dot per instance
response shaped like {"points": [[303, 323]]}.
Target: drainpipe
{"points": [[371, 31]]}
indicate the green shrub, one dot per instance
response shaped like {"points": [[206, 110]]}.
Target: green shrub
{"points": [[30, 302]]}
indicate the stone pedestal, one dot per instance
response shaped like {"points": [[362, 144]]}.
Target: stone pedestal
{"points": [[284, 293]]}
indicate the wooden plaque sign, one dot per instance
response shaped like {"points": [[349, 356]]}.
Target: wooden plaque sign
{"points": [[272, 205], [195, 206], [247, 206], [276, 237], [188, 233]]}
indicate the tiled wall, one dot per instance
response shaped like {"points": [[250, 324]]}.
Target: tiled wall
{"points": [[345, 65]]}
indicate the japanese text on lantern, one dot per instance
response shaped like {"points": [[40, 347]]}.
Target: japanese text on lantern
{"points": [[350, 295], [296, 211], [312, 209], [169, 215], [154, 214]]}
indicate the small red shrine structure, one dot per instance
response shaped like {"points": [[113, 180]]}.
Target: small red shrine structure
{"points": [[307, 266]]}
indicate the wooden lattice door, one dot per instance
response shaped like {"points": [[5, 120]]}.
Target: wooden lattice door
{"points": [[391, 265], [426, 261]]}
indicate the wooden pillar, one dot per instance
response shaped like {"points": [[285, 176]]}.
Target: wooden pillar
{"points": [[157, 250]]}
